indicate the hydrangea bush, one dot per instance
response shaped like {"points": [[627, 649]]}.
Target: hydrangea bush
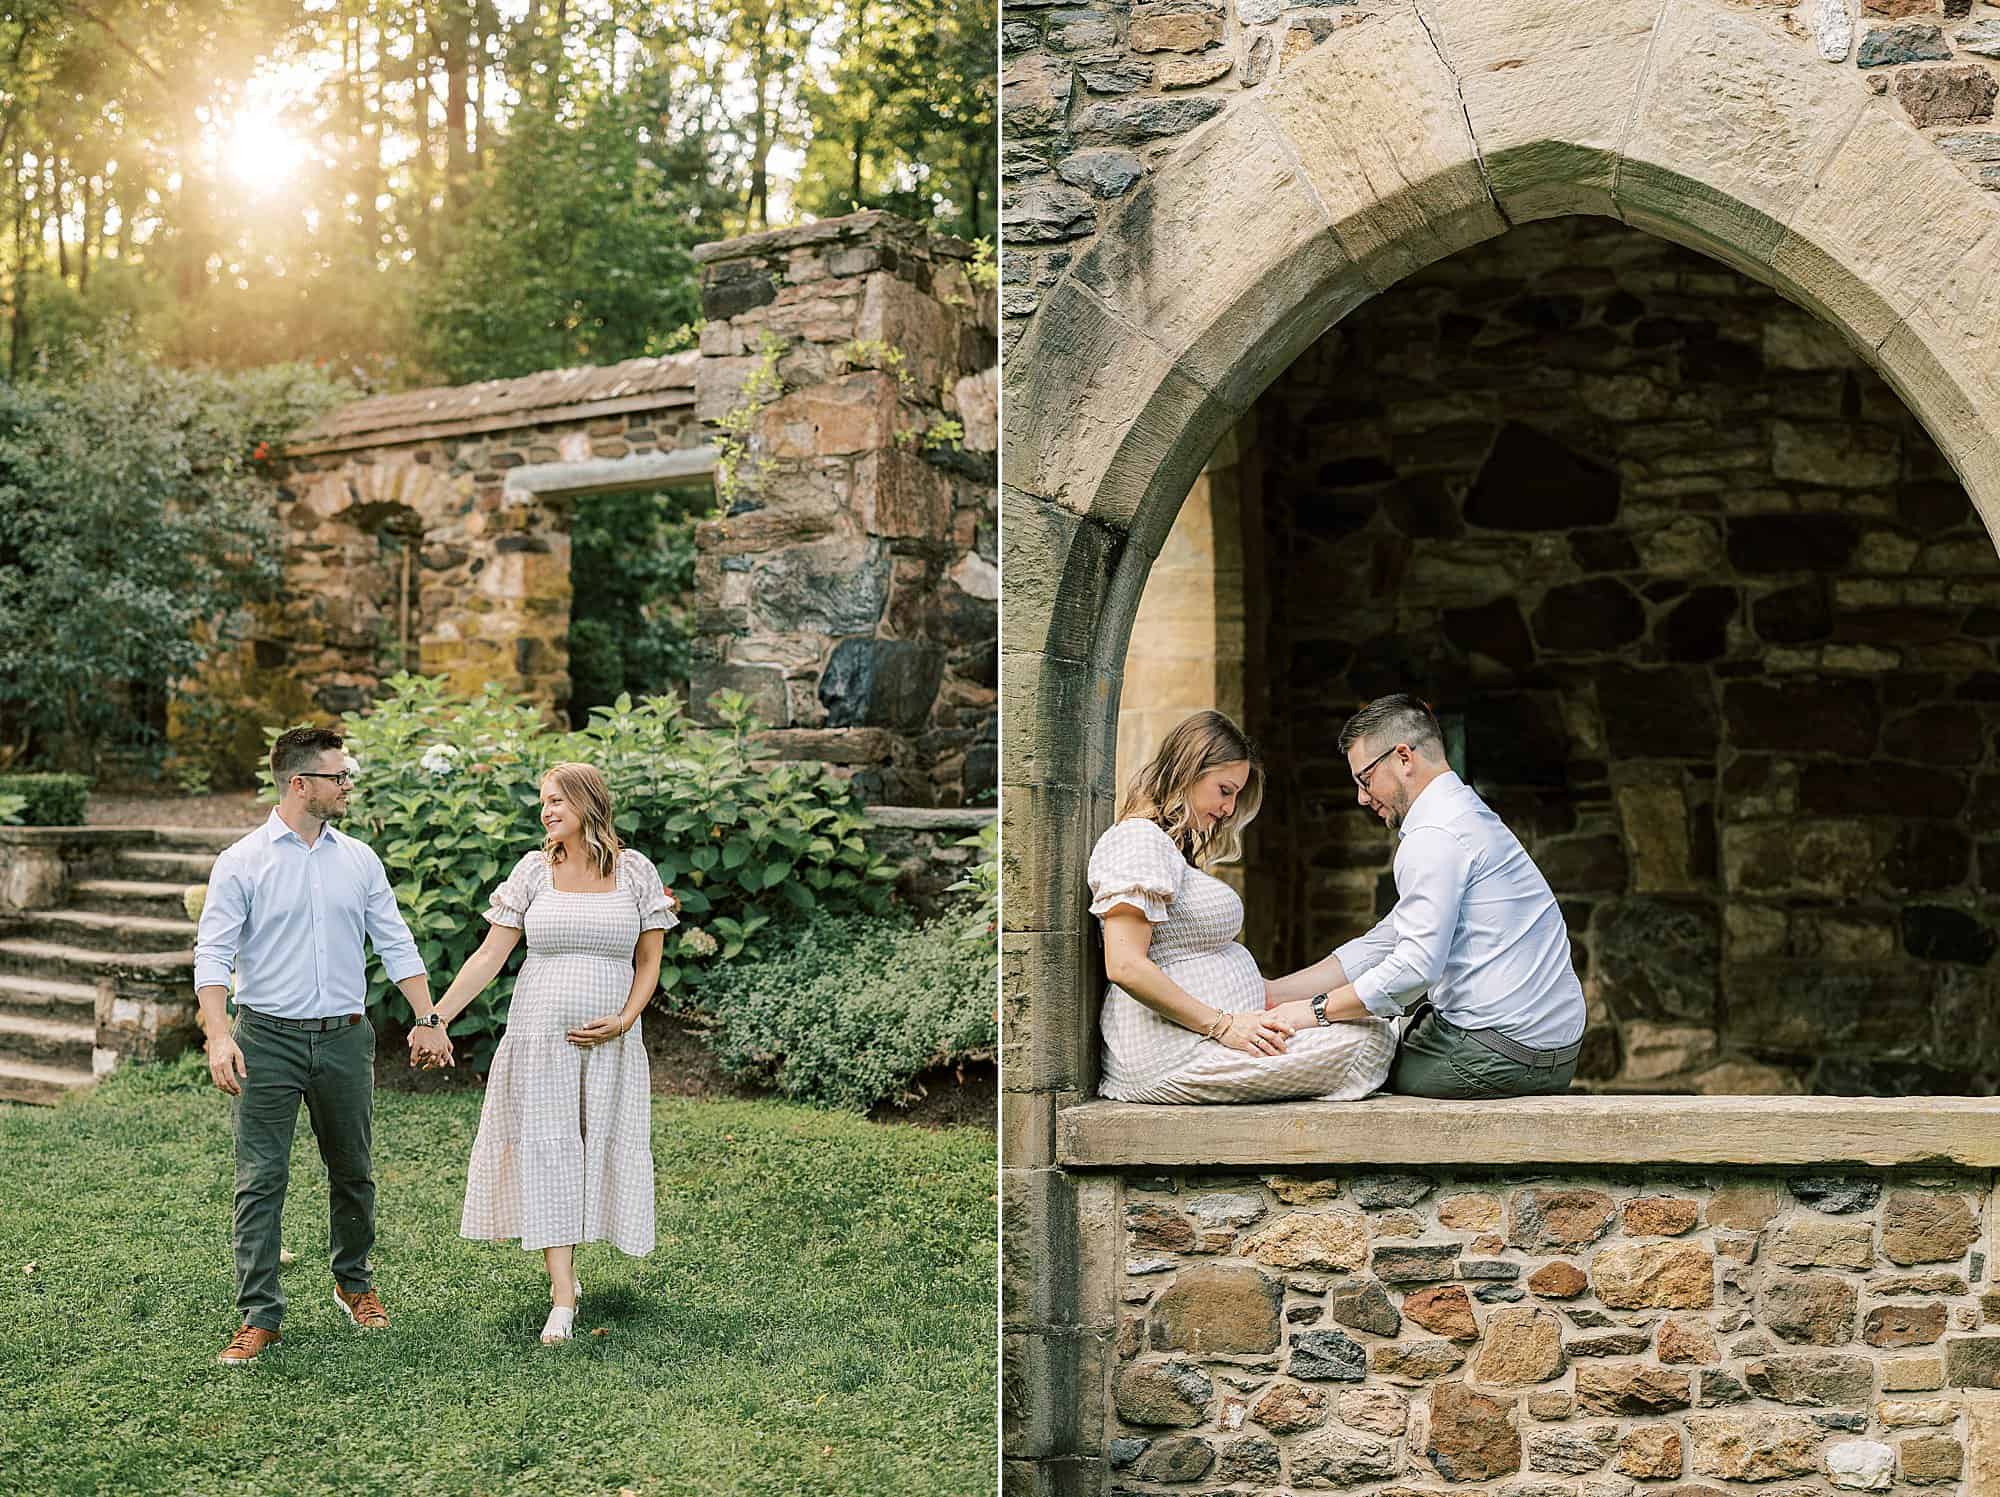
{"points": [[447, 792]]}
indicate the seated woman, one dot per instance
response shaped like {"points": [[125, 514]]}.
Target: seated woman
{"points": [[1184, 1016]]}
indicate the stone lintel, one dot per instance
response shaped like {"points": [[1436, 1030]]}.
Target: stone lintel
{"points": [[1617, 1130], [472, 426], [848, 227], [613, 474]]}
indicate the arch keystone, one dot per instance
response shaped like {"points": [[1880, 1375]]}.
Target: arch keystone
{"points": [[1548, 87]]}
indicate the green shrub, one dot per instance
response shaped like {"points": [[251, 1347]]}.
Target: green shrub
{"points": [[48, 799], [11, 807], [982, 882], [447, 794], [848, 1011]]}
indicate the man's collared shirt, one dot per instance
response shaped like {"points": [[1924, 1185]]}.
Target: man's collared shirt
{"points": [[1475, 925], [290, 920]]}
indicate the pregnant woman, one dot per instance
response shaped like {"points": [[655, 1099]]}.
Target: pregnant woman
{"points": [[564, 1153], [1184, 1014]]}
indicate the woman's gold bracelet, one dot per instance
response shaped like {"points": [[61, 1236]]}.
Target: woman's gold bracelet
{"points": [[1221, 1023]]}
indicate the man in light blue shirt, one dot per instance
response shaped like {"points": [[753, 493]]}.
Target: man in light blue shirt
{"points": [[1475, 949], [288, 909]]}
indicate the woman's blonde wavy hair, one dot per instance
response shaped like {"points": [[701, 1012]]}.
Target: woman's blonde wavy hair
{"points": [[584, 788], [1159, 792]]}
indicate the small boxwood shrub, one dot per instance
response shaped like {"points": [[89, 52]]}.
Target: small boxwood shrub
{"points": [[848, 1011], [447, 793], [48, 799]]}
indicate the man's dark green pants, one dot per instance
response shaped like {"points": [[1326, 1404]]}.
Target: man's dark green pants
{"points": [[1439, 1059], [333, 1072]]}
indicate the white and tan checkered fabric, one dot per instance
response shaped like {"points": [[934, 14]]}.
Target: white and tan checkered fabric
{"points": [[1195, 920], [564, 1153]]}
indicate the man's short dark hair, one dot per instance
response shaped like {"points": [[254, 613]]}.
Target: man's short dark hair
{"points": [[300, 748], [1399, 718]]}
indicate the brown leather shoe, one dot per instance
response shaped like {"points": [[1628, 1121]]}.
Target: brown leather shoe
{"points": [[364, 1309], [247, 1345]]}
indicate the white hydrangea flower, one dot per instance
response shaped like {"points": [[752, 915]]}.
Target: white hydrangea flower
{"points": [[439, 759], [698, 942]]}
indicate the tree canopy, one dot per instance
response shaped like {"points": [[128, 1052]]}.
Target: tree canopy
{"points": [[407, 191]]}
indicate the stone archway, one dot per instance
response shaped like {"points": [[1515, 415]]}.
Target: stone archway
{"points": [[1395, 142]]}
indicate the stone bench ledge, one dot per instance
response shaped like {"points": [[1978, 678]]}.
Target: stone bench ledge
{"points": [[1954, 1131]]}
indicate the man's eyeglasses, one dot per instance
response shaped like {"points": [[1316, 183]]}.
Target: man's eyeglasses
{"points": [[343, 779], [1361, 777]]}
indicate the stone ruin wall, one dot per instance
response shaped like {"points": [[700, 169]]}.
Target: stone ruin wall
{"points": [[490, 593], [1584, 1334], [851, 592], [1095, 95], [1719, 617]]}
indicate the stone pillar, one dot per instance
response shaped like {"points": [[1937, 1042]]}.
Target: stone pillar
{"points": [[850, 586]]}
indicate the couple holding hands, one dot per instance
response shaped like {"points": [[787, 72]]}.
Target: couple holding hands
{"points": [[564, 1151], [1465, 989]]}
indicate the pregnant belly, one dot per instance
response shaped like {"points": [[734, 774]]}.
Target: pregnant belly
{"points": [[1226, 978]]}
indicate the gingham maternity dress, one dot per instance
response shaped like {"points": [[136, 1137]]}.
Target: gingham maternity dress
{"points": [[564, 1153], [1195, 920]]}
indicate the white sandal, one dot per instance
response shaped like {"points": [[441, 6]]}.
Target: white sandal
{"points": [[557, 1328]]}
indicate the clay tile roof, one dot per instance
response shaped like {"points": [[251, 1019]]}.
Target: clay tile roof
{"points": [[524, 401]]}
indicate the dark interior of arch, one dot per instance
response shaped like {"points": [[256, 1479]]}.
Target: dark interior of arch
{"points": [[1720, 622]]}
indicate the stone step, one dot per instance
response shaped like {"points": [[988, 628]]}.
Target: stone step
{"points": [[129, 896], [137, 934], [27, 1081], [153, 865], [48, 998], [208, 839], [54, 1042], [23, 957]]}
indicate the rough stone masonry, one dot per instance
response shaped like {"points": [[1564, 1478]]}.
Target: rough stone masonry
{"points": [[1591, 1334]]}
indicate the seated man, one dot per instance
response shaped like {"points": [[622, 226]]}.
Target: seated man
{"points": [[1475, 928]]}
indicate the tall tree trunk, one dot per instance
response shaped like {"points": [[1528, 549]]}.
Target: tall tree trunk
{"points": [[93, 229], [56, 213], [758, 208], [456, 43], [17, 340]]}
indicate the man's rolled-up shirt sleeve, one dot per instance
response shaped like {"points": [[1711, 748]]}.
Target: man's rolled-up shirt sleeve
{"points": [[1432, 869], [216, 937], [1368, 950], [386, 928]]}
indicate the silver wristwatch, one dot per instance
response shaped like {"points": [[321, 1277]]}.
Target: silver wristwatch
{"points": [[1319, 1010], [431, 1020]]}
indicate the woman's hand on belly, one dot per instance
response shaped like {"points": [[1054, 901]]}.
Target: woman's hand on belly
{"points": [[599, 1031]]}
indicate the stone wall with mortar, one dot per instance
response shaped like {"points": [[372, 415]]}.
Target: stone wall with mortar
{"points": [[1575, 1334], [851, 589], [489, 586], [1094, 96], [1720, 623]]}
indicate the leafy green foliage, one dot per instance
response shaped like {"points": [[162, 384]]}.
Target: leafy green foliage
{"points": [[848, 1012], [133, 528], [742, 847], [11, 807], [632, 569], [46, 799], [905, 120], [578, 253], [982, 882]]}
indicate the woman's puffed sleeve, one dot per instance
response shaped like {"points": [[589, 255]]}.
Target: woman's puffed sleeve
{"points": [[649, 891], [509, 906], [1137, 864]]}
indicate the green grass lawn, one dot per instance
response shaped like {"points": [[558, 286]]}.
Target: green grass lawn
{"points": [[817, 1318]]}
